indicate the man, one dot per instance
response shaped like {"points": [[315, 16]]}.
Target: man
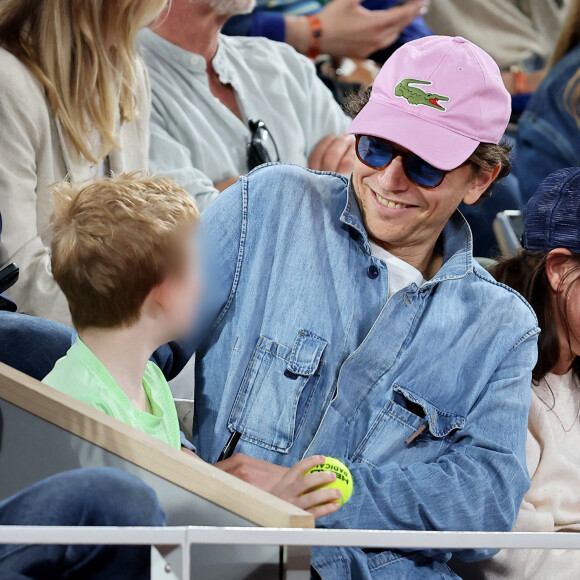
{"points": [[209, 90], [349, 319]]}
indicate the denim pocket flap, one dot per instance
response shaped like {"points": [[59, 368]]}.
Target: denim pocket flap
{"points": [[278, 390], [441, 422], [304, 359]]}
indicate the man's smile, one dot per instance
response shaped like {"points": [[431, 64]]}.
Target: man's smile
{"points": [[389, 203]]}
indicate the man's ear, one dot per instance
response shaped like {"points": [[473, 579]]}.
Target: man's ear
{"points": [[556, 266], [479, 183]]}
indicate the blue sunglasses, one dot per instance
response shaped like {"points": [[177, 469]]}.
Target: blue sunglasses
{"points": [[378, 154]]}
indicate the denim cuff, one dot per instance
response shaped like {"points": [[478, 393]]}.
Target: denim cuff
{"points": [[187, 443]]}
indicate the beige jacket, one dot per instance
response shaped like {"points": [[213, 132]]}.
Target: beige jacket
{"points": [[33, 155], [552, 503], [512, 31]]}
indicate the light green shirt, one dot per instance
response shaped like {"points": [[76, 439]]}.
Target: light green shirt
{"points": [[83, 376], [198, 141]]}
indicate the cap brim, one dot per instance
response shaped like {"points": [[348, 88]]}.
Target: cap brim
{"points": [[438, 146]]}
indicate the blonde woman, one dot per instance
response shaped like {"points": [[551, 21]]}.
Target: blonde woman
{"points": [[549, 130], [74, 103]]}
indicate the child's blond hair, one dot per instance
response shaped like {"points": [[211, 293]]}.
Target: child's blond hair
{"points": [[114, 240]]}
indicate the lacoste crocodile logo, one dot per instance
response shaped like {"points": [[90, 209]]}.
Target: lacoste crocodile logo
{"points": [[417, 96]]}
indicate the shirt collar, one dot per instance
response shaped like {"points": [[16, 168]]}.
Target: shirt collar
{"points": [[172, 53], [456, 240], [191, 61], [351, 216], [223, 63]]}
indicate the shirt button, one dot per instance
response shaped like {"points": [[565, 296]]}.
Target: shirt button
{"points": [[194, 60], [373, 272]]}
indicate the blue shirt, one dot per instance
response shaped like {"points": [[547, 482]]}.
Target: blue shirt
{"points": [[548, 134], [302, 352]]}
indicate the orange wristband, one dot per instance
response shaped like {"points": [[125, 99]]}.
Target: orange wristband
{"points": [[522, 82], [316, 35]]}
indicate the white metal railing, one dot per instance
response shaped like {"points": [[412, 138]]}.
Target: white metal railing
{"points": [[247, 536], [174, 542]]}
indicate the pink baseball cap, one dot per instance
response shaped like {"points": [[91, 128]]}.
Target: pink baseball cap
{"points": [[439, 97]]}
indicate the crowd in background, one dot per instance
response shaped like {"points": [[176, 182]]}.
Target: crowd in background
{"points": [[209, 91]]}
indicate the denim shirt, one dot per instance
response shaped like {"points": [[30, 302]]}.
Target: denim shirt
{"points": [[302, 353], [548, 134]]}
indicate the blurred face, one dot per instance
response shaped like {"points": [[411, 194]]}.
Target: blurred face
{"points": [[180, 295], [404, 217]]}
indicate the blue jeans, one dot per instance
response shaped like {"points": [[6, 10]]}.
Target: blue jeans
{"points": [[100, 496], [32, 345]]}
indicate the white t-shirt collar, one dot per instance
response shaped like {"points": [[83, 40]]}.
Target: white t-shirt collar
{"points": [[401, 273]]}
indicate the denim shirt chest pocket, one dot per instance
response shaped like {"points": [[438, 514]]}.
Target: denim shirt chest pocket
{"points": [[277, 390], [408, 429]]}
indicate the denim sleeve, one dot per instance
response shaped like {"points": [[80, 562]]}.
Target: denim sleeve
{"points": [[477, 485], [259, 23], [221, 242], [187, 443]]}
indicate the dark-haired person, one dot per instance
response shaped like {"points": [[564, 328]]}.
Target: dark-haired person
{"points": [[348, 318], [547, 274]]}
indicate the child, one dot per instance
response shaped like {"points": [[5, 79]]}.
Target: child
{"points": [[122, 253], [547, 274], [123, 256]]}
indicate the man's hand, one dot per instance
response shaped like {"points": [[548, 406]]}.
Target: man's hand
{"points": [[290, 484], [301, 489], [348, 29], [262, 474], [333, 153]]}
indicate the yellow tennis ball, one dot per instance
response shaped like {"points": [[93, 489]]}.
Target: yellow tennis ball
{"points": [[343, 480]]}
